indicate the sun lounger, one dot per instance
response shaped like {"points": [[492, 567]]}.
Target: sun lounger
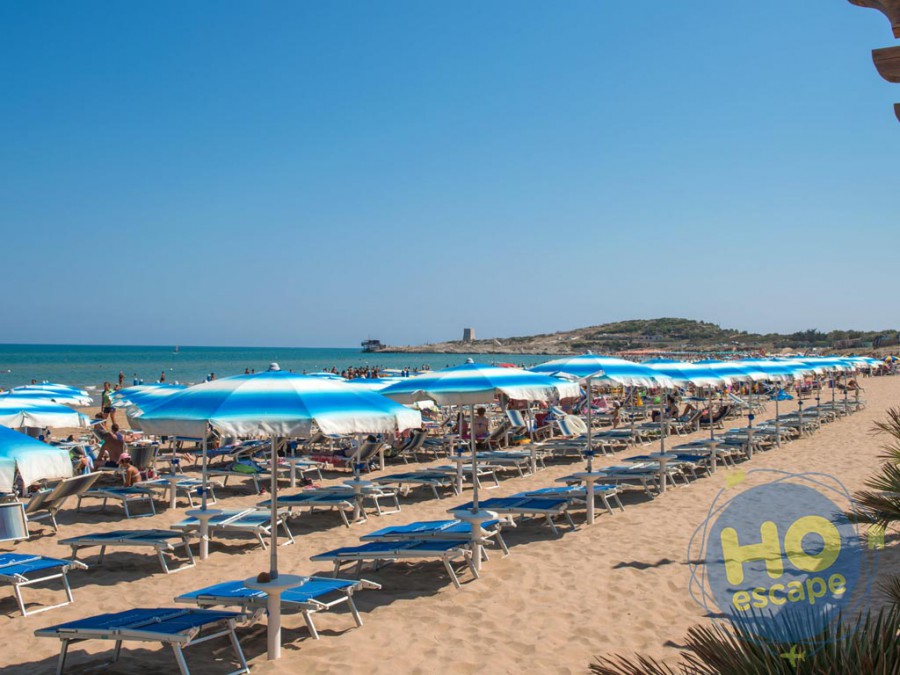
{"points": [[177, 627], [438, 529], [126, 495], [431, 478], [644, 474], [19, 569], [531, 507], [384, 552], [239, 521], [161, 541], [189, 487], [578, 495], [46, 504], [255, 474], [314, 595], [341, 498]]}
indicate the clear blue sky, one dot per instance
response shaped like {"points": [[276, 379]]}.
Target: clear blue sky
{"points": [[312, 173]]}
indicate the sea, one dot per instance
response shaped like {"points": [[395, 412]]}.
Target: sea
{"points": [[88, 366]]}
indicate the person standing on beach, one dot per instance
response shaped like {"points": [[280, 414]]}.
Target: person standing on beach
{"points": [[121, 379], [106, 406]]}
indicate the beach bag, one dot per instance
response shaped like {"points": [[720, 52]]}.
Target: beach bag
{"points": [[245, 467]]}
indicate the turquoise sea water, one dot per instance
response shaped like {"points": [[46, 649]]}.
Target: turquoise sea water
{"points": [[88, 366]]}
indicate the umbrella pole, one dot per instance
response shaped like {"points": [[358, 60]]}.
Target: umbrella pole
{"points": [[589, 452], [273, 548], [204, 522], [475, 523], [662, 441], [777, 416]]}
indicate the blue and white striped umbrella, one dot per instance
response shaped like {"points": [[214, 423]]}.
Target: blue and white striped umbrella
{"points": [[328, 376], [276, 404], [32, 459], [144, 395], [53, 393], [605, 369], [473, 383], [828, 364], [373, 383], [774, 370], [16, 412], [688, 373], [736, 371]]}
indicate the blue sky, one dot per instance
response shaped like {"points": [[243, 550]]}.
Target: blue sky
{"points": [[312, 173]]}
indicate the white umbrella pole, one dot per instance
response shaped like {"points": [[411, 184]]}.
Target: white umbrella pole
{"points": [[777, 416], [204, 522], [590, 449], [273, 550], [475, 524]]}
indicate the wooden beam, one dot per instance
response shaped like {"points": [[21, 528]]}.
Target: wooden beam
{"points": [[887, 61], [890, 8]]}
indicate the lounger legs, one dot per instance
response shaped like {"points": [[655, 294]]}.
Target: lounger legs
{"points": [[63, 651], [179, 658], [307, 618]]}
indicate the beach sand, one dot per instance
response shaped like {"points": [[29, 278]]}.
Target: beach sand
{"points": [[552, 606]]}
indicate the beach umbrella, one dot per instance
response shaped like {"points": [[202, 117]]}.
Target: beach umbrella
{"points": [[135, 399], [589, 367], [33, 460], [471, 384], [327, 375], [275, 404], [373, 383], [73, 398], [16, 412]]}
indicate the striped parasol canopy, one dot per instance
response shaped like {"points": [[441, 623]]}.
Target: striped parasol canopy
{"points": [[736, 371], [276, 404], [58, 393], [473, 383], [32, 459], [144, 395], [605, 369], [16, 412], [688, 373]]}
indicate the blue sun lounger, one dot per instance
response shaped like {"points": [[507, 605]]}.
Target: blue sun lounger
{"points": [[239, 521], [161, 541], [578, 495], [185, 486], [177, 627], [432, 479], [315, 594], [126, 495], [340, 498], [385, 552], [438, 529], [546, 507], [18, 569]]}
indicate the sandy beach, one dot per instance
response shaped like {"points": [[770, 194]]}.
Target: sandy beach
{"points": [[553, 605]]}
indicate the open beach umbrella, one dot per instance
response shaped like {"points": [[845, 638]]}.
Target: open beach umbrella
{"points": [[16, 412], [61, 393], [142, 396], [588, 368], [471, 384], [278, 405], [33, 460]]}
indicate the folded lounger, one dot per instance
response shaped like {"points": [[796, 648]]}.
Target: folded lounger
{"points": [[126, 495], [161, 541], [176, 627], [18, 569], [438, 529], [186, 486], [578, 495], [548, 508], [432, 479], [47, 503], [315, 594], [391, 551], [239, 521]]}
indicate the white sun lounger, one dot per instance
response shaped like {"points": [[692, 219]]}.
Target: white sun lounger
{"points": [[240, 521], [342, 499], [19, 569], [46, 504], [161, 541], [383, 552], [314, 595], [177, 627], [126, 495]]}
